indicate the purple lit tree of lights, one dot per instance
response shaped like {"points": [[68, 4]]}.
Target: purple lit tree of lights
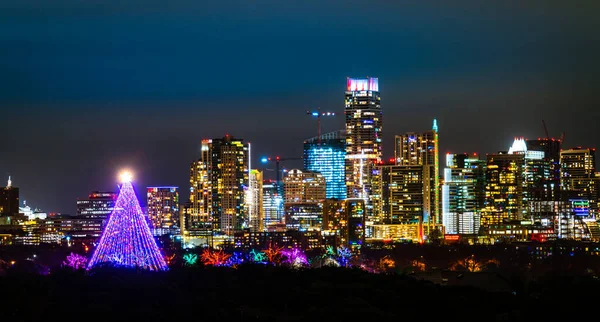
{"points": [[127, 240], [295, 257], [76, 261]]}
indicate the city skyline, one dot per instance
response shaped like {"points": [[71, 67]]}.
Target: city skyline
{"points": [[97, 88]]}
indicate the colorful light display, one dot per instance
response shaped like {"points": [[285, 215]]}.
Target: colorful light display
{"points": [[258, 257], [190, 259], [214, 258], [76, 261], [295, 257], [127, 240], [344, 255]]}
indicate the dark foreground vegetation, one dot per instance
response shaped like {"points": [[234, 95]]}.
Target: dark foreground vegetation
{"points": [[269, 293]]}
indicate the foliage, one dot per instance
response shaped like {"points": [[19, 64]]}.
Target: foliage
{"points": [[258, 257], [273, 253], [214, 258], [190, 259], [75, 261]]}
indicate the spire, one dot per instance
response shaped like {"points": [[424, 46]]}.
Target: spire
{"points": [[434, 127], [9, 182]]}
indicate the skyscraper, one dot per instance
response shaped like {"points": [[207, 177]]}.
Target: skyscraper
{"points": [[463, 194], [400, 188], [254, 201], [9, 200], [326, 155], [93, 214], [421, 149], [272, 205], [217, 183], [547, 185], [578, 177], [163, 210], [506, 197], [304, 195], [364, 124]]}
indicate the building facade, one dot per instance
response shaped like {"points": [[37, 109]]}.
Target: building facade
{"points": [[463, 194], [421, 149], [579, 181], [217, 186], [254, 201], [328, 157], [93, 214], [9, 200], [364, 125], [272, 205], [163, 210], [304, 193]]}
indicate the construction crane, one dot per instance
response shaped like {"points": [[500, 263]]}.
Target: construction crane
{"points": [[546, 130], [318, 115], [562, 136], [277, 160]]}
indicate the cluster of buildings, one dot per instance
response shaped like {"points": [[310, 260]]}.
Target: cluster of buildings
{"points": [[24, 226], [348, 194]]}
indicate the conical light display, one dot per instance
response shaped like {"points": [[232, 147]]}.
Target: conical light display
{"points": [[127, 240]]}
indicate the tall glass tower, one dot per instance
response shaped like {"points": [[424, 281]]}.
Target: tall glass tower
{"points": [[327, 155], [364, 121]]}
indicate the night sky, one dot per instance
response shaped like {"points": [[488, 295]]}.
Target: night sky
{"points": [[91, 87]]}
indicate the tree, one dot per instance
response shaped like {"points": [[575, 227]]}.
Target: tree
{"points": [[127, 240]]}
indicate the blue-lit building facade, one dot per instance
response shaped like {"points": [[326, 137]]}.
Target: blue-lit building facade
{"points": [[326, 155]]}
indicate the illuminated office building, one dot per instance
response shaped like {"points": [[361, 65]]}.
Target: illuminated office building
{"points": [[327, 156], [544, 179], [356, 219], [579, 181], [304, 186], [217, 182], [463, 194], [421, 149], [163, 210], [254, 201], [9, 200], [401, 192], [304, 193], [364, 123], [272, 205], [505, 186], [93, 214]]}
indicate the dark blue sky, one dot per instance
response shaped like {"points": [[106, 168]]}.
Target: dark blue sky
{"points": [[89, 87]]}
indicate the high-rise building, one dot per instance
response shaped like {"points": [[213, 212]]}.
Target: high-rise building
{"points": [[163, 210], [463, 194], [199, 215], [304, 193], [9, 200], [364, 124], [93, 214], [304, 186], [422, 149], [356, 219], [217, 186], [254, 201], [272, 205], [401, 194], [546, 178], [326, 155], [506, 197], [578, 177]]}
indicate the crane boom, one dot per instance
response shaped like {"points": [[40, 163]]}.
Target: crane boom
{"points": [[318, 114], [546, 130]]}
